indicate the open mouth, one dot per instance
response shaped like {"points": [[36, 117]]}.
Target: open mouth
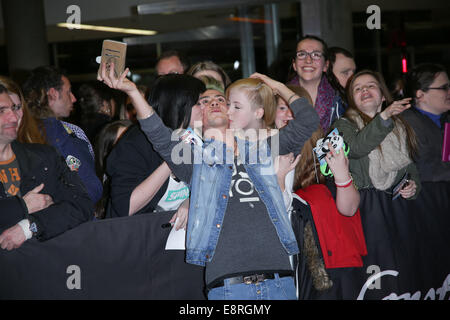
{"points": [[308, 69], [366, 96]]}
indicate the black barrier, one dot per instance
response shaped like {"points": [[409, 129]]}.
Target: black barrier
{"points": [[121, 258], [124, 258], [408, 250]]}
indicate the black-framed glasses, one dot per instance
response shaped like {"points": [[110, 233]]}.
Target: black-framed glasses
{"points": [[444, 87], [315, 55]]}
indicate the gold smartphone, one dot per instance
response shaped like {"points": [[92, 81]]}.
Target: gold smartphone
{"points": [[114, 51]]}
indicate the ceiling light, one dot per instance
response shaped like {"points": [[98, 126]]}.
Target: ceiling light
{"points": [[239, 19], [107, 29]]}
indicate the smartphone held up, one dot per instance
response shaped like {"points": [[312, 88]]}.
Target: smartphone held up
{"points": [[114, 52]]}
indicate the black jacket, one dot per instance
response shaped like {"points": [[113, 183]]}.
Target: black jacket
{"points": [[130, 162], [429, 145], [42, 164]]}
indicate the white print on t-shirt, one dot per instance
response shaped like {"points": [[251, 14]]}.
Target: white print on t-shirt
{"points": [[175, 194], [242, 186]]}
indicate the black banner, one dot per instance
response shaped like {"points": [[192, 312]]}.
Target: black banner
{"points": [[124, 258], [120, 258], [408, 244]]}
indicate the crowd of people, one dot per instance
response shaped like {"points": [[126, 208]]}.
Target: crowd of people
{"points": [[223, 155]]}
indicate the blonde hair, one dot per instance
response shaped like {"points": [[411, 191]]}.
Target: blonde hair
{"points": [[260, 95], [212, 84], [29, 131], [210, 66]]}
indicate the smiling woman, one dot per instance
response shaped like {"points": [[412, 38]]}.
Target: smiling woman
{"points": [[310, 64], [381, 143]]}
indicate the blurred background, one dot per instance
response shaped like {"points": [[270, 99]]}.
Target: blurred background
{"points": [[241, 36]]}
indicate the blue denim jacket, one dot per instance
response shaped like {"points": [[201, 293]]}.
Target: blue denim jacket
{"points": [[210, 178], [210, 186]]}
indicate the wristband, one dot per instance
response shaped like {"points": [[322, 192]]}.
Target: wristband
{"points": [[25, 225], [344, 184]]}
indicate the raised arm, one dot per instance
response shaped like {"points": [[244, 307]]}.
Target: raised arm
{"points": [[122, 83], [347, 197], [363, 141], [158, 134], [293, 136]]}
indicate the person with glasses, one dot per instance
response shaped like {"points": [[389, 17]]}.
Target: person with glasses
{"points": [[428, 85], [310, 64], [238, 225], [29, 131], [40, 197]]}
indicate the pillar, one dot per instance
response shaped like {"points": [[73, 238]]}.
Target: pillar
{"points": [[330, 20], [26, 36]]}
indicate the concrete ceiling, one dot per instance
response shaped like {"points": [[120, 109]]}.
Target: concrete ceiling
{"points": [[123, 14]]}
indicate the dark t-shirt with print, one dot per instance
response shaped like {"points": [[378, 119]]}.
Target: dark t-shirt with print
{"points": [[10, 176], [248, 241]]}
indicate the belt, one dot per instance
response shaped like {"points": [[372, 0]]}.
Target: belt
{"points": [[250, 279]]}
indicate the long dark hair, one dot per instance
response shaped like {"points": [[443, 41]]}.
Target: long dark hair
{"points": [[173, 96], [332, 52], [103, 145]]}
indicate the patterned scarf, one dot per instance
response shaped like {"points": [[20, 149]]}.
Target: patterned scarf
{"points": [[324, 100], [393, 156]]}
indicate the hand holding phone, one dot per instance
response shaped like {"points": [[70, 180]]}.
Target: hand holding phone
{"points": [[409, 189], [404, 182], [114, 52]]}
